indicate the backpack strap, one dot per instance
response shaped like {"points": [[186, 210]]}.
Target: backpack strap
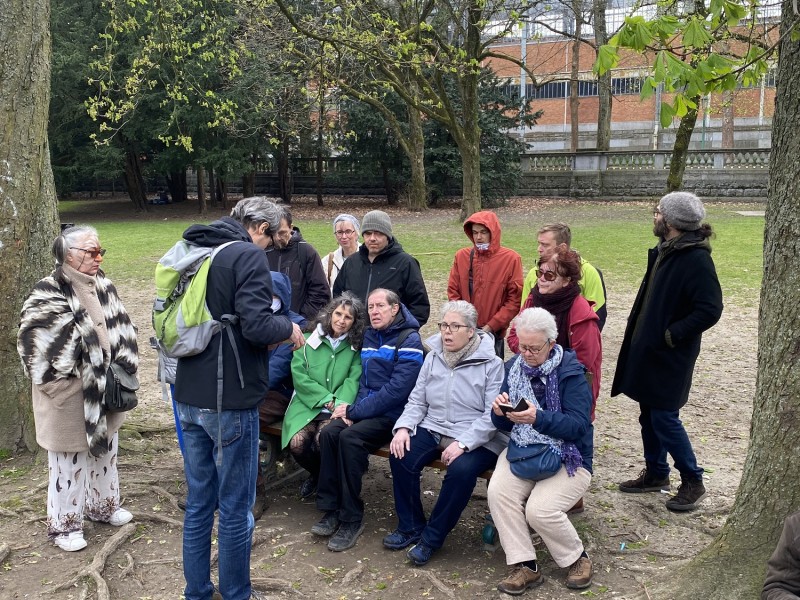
{"points": [[330, 267], [401, 337], [471, 256]]}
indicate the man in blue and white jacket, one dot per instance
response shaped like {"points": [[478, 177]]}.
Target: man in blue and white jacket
{"points": [[391, 358]]}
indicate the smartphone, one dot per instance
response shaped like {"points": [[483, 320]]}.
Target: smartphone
{"points": [[521, 405]]}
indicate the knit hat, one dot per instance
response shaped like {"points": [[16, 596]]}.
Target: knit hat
{"points": [[377, 220], [682, 210], [349, 218]]}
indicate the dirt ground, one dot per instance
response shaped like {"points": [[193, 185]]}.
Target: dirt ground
{"points": [[632, 539]]}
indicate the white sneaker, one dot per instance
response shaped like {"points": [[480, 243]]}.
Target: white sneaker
{"points": [[71, 542], [120, 517]]}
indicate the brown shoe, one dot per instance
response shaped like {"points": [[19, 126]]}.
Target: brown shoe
{"points": [[580, 574], [261, 504], [519, 579], [577, 509]]}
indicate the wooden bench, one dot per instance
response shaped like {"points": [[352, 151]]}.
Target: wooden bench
{"points": [[274, 432]]}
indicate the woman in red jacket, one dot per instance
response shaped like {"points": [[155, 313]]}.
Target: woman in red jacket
{"points": [[557, 291]]}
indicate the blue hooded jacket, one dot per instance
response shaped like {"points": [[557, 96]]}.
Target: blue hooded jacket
{"points": [[385, 382], [280, 357]]}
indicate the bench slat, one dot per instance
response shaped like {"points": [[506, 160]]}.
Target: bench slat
{"points": [[275, 429]]}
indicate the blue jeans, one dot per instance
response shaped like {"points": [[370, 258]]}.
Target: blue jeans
{"points": [[231, 486], [662, 433], [459, 481]]}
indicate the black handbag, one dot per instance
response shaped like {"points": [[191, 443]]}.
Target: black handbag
{"points": [[534, 462], [121, 389]]}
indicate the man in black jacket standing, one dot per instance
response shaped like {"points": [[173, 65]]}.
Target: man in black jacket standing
{"points": [[678, 300], [381, 262], [219, 412], [299, 261]]}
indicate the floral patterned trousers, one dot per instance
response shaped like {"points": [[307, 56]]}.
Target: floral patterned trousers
{"points": [[81, 483]]}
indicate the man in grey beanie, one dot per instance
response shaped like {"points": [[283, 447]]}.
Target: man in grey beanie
{"points": [[381, 262], [679, 299]]}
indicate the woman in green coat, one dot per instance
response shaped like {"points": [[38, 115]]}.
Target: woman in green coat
{"points": [[325, 373]]}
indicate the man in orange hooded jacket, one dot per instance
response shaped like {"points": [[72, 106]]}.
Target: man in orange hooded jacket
{"points": [[488, 276]]}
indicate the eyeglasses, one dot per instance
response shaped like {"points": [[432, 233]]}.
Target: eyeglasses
{"points": [[546, 275], [453, 327], [523, 349], [344, 233], [94, 252], [656, 212]]}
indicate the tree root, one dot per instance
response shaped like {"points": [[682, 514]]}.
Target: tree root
{"points": [[352, 574], [130, 569], [96, 567], [440, 585], [157, 518], [263, 584], [4, 551], [164, 493]]}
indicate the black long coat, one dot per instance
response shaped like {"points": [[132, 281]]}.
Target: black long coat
{"points": [[678, 300]]}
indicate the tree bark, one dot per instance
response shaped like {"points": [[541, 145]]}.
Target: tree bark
{"points": [[469, 139], [134, 180], [249, 184], [284, 172], [733, 565], [604, 97], [681, 148], [418, 196], [28, 206], [212, 188], [178, 188], [574, 100], [727, 120], [201, 191]]}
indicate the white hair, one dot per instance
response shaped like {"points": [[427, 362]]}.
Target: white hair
{"points": [[536, 320]]}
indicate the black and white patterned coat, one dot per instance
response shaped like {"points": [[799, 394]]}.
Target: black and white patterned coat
{"points": [[59, 344]]}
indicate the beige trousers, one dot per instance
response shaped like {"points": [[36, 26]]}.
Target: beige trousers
{"points": [[517, 503]]}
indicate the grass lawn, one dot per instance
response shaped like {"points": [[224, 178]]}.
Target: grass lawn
{"points": [[612, 236]]}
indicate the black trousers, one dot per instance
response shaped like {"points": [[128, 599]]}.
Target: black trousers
{"points": [[344, 454]]}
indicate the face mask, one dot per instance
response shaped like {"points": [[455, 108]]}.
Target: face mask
{"points": [[482, 246], [276, 304]]}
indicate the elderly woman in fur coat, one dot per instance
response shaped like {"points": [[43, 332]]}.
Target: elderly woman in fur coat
{"points": [[72, 326]]}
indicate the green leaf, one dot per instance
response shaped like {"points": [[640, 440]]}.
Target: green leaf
{"points": [[607, 59], [667, 114], [695, 34]]}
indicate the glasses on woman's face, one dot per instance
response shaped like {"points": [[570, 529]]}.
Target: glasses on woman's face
{"points": [[546, 275], [452, 327], [523, 349], [93, 252], [344, 232]]}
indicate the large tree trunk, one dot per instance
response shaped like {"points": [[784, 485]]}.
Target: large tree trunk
{"points": [[469, 143], [728, 116], [284, 172], [202, 206], [28, 208], [733, 566], [178, 188], [134, 180], [681, 148], [574, 100], [418, 195], [604, 97]]}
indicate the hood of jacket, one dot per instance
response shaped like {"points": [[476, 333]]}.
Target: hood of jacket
{"points": [[403, 320], [688, 239], [295, 238], [217, 233], [489, 220], [282, 288]]}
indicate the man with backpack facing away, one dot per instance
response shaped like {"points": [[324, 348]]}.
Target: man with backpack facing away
{"points": [[221, 432]]}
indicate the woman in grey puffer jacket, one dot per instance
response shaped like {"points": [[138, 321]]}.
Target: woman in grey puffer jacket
{"points": [[447, 415]]}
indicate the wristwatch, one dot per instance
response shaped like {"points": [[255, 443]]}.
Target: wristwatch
{"points": [[462, 447]]}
